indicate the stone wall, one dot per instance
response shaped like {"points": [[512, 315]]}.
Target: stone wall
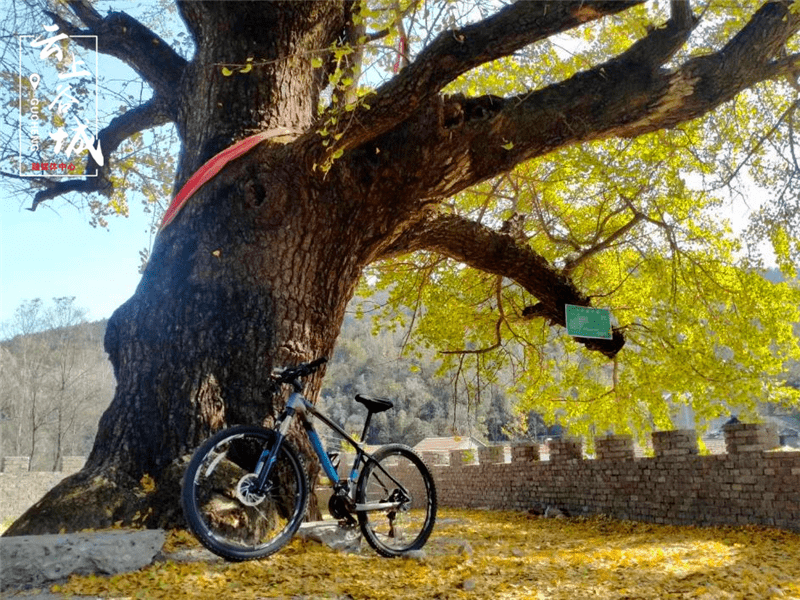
{"points": [[20, 489], [748, 485]]}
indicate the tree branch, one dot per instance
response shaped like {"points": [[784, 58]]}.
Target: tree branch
{"points": [[493, 252], [150, 114], [602, 245], [455, 52], [84, 10], [122, 36], [705, 82], [463, 141], [662, 43]]}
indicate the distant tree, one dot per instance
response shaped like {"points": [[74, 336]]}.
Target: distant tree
{"points": [[370, 360], [31, 410], [68, 368], [499, 416], [51, 379], [11, 420]]}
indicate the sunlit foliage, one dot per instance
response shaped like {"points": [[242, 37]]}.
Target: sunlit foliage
{"points": [[672, 231]]}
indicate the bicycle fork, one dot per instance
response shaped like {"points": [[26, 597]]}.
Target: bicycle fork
{"points": [[269, 456]]}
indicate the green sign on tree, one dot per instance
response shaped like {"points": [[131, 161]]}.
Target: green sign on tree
{"points": [[587, 322]]}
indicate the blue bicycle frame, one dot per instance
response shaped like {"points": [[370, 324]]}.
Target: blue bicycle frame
{"points": [[298, 405]]}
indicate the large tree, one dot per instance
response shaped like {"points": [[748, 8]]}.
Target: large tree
{"points": [[257, 268]]}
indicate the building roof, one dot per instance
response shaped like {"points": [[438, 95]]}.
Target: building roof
{"points": [[786, 425], [445, 444]]}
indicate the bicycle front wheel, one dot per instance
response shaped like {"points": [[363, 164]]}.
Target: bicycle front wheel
{"points": [[396, 501], [222, 504]]}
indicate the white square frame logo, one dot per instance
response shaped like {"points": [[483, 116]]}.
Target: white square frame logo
{"points": [[37, 69]]}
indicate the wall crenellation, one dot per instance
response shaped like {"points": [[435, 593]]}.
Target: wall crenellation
{"points": [[750, 437], [678, 442], [566, 449], [614, 447], [490, 455], [525, 453], [16, 464]]}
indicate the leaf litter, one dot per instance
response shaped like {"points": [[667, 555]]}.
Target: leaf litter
{"points": [[492, 555]]}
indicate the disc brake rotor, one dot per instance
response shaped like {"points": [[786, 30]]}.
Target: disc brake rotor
{"points": [[245, 493]]}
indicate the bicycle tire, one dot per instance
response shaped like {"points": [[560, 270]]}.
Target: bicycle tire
{"points": [[221, 510], [395, 532]]}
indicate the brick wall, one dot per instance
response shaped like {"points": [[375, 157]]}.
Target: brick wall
{"points": [[748, 485]]}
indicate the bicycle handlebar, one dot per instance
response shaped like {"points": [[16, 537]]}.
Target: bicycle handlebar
{"points": [[290, 374]]}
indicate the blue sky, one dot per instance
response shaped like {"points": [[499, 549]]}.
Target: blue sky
{"points": [[55, 252]]}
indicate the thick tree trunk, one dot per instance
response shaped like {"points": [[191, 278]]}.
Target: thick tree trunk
{"points": [[255, 272]]}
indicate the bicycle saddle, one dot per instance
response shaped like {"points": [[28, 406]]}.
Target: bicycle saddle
{"points": [[374, 405]]}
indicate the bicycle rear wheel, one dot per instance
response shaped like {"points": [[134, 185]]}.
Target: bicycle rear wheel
{"points": [[223, 508], [405, 526]]}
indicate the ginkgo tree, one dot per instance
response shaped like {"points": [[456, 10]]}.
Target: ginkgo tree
{"points": [[704, 328], [488, 164]]}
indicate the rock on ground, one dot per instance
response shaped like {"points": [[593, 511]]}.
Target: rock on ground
{"points": [[330, 533], [41, 560]]}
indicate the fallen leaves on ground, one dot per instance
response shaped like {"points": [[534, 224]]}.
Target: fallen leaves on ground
{"points": [[497, 555]]}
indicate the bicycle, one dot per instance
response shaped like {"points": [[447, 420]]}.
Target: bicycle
{"points": [[245, 491]]}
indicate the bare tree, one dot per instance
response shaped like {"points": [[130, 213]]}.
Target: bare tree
{"points": [[68, 369], [30, 352]]}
